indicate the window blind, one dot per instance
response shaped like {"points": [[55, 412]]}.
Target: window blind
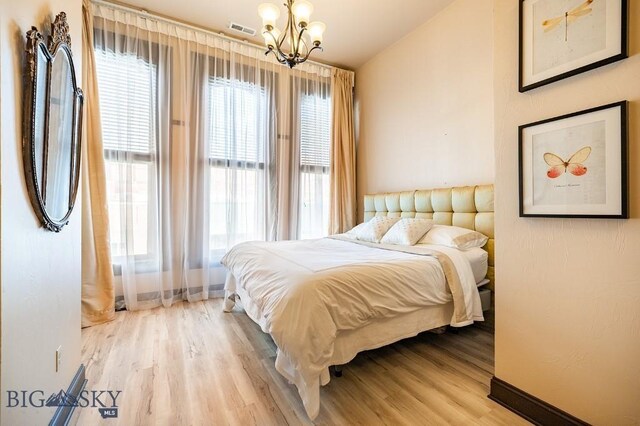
{"points": [[315, 131], [127, 88], [237, 113]]}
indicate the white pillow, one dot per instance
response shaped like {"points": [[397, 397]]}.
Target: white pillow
{"points": [[356, 229], [374, 230], [353, 232], [407, 231], [454, 236]]}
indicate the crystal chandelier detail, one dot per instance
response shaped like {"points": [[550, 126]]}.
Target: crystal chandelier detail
{"points": [[299, 38]]}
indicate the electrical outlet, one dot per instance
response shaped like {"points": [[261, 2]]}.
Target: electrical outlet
{"points": [[58, 358]]}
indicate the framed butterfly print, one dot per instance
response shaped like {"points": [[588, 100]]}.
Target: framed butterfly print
{"points": [[575, 165], [562, 38]]}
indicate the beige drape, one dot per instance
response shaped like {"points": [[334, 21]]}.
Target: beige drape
{"points": [[342, 214], [98, 301]]}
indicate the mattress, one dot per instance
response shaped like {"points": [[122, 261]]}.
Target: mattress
{"points": [[375, 334]]}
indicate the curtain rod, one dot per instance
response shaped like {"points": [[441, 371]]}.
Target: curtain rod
{"points": [[168, 20]]}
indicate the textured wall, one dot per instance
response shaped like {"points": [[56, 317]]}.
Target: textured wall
{"points": [[568, 298], [425, 106], [40, 276]]}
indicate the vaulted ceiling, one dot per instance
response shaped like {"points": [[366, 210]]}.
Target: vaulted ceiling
{"points": [[356, 29]]}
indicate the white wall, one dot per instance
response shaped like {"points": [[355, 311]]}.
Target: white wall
{"points": [[568, 291], [40, 275], [425, 105]]}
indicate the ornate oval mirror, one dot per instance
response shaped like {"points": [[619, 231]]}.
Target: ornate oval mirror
{"points": [[52, 125]]}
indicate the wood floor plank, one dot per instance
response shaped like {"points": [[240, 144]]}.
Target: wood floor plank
{"points": [[192, 364]]}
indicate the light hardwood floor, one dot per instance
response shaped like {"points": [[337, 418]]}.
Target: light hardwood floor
{"points": [[192, 364]]}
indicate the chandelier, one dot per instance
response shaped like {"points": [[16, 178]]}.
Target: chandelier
{"points": [[299, 38]]}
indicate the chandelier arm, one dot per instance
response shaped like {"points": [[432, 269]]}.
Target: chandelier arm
{"points": [[306, 46], [274, 54], [281, 54], [281, 57], [309, 53], [300, 42], [275, 40], [278, 56], [281, 40], [291, 29], [276, 49], [277, 52], [283, 35]]}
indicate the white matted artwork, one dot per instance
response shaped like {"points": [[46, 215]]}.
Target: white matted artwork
{"points": [[584, 179], [575, 165], [561, 38]]}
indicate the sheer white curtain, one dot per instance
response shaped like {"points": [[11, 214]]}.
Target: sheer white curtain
{"points": [[312, 133], [207, 144]]}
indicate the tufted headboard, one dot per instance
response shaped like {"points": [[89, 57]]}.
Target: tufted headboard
{"points": [[468, 207]]}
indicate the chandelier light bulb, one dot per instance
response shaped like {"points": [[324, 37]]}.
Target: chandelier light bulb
{"points": [[269, 13], [316, 31], [302, 10]]}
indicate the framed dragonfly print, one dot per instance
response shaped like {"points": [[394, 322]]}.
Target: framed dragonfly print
{"points": [[575, 165], [562, 38]]}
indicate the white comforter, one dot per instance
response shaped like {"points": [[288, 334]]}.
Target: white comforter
{"points": [[304, 292]]}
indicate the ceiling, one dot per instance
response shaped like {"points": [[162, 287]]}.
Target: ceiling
{"points": [[356, 29]]}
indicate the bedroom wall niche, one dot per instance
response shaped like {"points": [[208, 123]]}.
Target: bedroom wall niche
{"points": [[424, 120], [40, 275], [567, 319]]}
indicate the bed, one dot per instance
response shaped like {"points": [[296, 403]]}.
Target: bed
{"points": [[324, 301]]}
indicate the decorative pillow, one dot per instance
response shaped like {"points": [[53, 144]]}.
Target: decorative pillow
{"points": [[454, 236], [375, 229], [407, 232]]}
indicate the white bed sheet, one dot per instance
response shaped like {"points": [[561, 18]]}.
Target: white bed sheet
{"points": [[479, 260], [377, 333]]}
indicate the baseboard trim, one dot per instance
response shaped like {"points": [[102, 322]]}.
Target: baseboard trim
{"points": [[63, 413], [528, 406]]}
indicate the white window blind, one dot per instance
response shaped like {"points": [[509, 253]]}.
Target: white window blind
{"points": [[237, 113], [315, 148], [127, 88], [315, 131], [237, 123]]}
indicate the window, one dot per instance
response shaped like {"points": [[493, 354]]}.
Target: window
{"points": [[315, 163], [237, 115], [128, 93]]}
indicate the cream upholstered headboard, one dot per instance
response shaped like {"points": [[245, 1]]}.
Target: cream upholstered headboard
{"points": [[468, 207]]}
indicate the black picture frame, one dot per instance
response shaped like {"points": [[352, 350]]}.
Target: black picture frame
{"points": [[624, 52], [624, 175]]}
